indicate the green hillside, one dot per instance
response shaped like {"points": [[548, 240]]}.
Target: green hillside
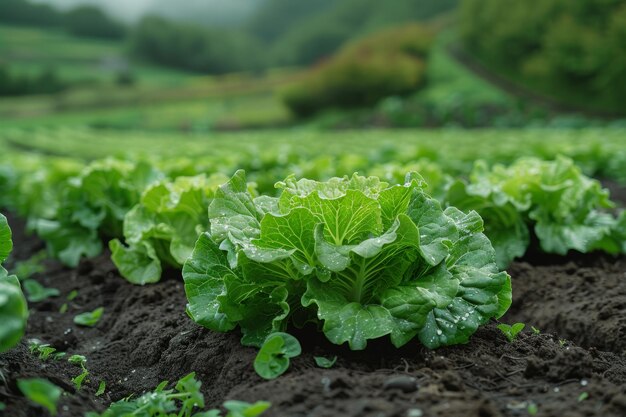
{"points": [[30, 50]]}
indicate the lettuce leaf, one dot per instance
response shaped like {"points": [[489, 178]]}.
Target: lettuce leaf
{"points": [[504, 223], [163, 228], [13, 306], [6, 244], [93, 205], [361, 258]]}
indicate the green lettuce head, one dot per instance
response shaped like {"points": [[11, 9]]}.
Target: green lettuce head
{"points": [[554, 200], [163, 228], [359, 257]]}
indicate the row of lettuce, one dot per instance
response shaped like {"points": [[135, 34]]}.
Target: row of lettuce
{"points": [[159, 207], [268, 156], [359, 256]]}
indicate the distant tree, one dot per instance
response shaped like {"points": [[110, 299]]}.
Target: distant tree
{"points": [[19, 84], [571, 49], [90, 21], [21, 12], [194, 48]]}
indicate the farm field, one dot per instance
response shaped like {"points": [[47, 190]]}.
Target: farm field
{"points": [[312, 209], [569, 356]]}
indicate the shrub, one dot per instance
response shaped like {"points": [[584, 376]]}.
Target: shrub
{"points": [[11, 84], [20, 12], [90, 21], [392, 62], [194, 48]]}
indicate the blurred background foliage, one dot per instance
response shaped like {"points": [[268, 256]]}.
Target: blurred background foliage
{"points": [[391, 62], [208, 65], [572, 49]]}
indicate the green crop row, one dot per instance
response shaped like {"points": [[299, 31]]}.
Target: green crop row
{"points": [[415, 251], [321, 155], [312, 235]]}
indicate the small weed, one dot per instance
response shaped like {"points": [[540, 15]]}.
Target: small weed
{"points": [[511, 331]]}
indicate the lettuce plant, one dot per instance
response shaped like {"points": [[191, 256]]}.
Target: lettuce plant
{"points": [[565, 209], [90, 318], [324, 362], [93, 204], [79, 379], [163, 227], [32, 185], [13, 307], [361, 258], [35, 292], [511, 331]]}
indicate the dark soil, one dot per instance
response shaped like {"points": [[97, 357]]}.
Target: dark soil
{"points": [[583, 300], [617, 190], [145, 337]]}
